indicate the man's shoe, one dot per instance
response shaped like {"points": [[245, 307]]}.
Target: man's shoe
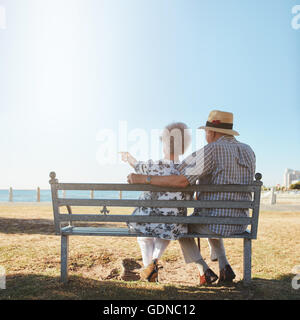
{"points": [[209, 277], [226, 275], [150, 273]]}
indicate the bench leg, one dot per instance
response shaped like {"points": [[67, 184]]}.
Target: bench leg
{"points": [[247, 261], [64, 258]]}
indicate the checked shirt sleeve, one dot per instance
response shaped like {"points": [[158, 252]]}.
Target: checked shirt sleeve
{"points": [[198, 165]]}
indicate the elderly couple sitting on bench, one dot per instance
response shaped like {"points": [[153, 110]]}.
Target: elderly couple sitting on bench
{"points": [[224, 160]]}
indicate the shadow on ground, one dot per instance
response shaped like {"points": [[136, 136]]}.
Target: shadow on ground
{"points": [[26, 226], [34, 286], [37, 226]]}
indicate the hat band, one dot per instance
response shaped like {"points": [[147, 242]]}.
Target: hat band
{"points": [[219, 125]]}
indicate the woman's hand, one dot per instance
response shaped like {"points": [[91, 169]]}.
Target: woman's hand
{"points": [[124, 156], [136, 179], [127, 157]]}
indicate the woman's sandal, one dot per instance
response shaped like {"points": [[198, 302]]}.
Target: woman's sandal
{"points": [[150, 273]]}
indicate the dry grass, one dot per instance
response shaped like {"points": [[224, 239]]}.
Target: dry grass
{"points": [[30, 253]]}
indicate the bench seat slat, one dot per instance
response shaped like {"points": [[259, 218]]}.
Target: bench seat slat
{"points": [[156, 203], [155, 219], [243, 235], [124, 232]]}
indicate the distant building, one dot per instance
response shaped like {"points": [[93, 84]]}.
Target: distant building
{"points": [[290, 177]]}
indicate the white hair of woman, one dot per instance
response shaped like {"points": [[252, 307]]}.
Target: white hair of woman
{"points": [[176, 139]]}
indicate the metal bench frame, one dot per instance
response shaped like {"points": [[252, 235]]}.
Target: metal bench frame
{"points": [[66, 231]]}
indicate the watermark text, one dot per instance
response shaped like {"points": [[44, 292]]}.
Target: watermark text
{"points": [[144, 144]]}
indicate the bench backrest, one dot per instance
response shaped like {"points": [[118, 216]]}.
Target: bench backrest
{"points": [[254, 188]]}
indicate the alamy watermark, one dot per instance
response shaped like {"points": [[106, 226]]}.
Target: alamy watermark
{"points": [[2, 278], [2, 17], [296, 19], [296, 279], [144, 144]]}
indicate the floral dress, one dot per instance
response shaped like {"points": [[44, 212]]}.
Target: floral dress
{"points": [[160, 230]]}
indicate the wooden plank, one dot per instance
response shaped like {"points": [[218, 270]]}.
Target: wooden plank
{"points": [[243, 235], [105, 232], [155, 219], [124, 232], [156, 203], [139, 187]]}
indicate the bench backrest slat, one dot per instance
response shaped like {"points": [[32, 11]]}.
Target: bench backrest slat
{"points": [[155, 203], [130, 187], [154, 219]]}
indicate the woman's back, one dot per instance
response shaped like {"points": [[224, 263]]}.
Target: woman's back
{"points": [[165, 231]]}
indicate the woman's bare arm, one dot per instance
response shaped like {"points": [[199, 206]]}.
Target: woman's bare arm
{"points": [[127, 157]]}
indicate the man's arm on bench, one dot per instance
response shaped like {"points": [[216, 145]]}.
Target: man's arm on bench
{"points": [[162, 181]]}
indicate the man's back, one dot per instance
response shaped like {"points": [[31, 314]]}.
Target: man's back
{"points": [[225, 161]]}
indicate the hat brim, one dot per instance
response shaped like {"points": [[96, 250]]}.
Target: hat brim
{"points": [[225, 131]]}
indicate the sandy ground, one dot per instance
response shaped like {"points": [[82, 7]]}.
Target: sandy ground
{"points": [[123, 256]]}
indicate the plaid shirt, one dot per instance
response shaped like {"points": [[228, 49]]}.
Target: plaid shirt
{"points": [[226, 161]]}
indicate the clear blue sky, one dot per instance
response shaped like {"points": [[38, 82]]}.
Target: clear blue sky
{"points": [[71, 68]]}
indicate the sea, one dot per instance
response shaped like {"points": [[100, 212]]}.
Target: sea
{"points": [[31, 195]]}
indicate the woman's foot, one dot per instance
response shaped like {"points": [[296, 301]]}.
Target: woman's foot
{"points": [[150, 273]]}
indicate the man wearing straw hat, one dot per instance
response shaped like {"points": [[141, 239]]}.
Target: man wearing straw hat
{"points": [[224, 160]]}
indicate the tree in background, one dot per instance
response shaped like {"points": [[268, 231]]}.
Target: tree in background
{"points": [[295, 186]]}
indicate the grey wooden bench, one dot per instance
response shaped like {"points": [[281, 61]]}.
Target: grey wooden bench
{"points": [[60, 220]]}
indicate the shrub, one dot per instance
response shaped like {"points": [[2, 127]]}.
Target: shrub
{"points": [[295, 186]]}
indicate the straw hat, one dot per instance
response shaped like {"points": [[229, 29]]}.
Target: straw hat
{"points": [[220, 121]]}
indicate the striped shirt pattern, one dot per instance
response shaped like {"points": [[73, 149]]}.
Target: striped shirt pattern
{"points": [[226, 161]]}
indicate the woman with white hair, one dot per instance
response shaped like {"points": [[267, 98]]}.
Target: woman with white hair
{"points": [[175, 139]]}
